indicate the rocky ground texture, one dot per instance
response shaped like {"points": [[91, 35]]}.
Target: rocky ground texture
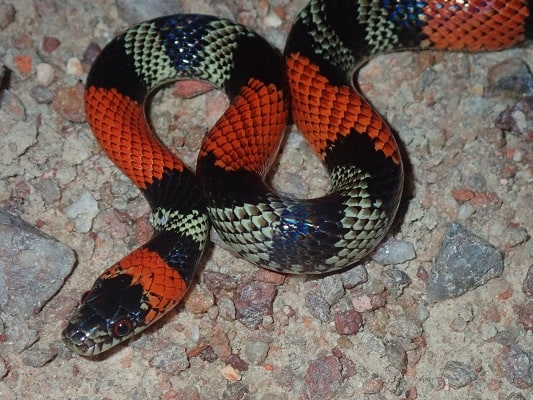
{"points": [[443, 310]]}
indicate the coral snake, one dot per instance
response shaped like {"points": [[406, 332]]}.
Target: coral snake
{"points": [[311, 82]]}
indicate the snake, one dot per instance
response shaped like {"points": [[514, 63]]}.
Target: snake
{"points": [[310, 85]]}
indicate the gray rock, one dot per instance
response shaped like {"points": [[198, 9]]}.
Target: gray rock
{"points": [[354, 276], [33, 266], [331, 289], [458, 374], [318, 306], [465, 262], [518, 368]]}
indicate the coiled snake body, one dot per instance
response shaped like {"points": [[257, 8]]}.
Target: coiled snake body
{"points": [[312, 82]]}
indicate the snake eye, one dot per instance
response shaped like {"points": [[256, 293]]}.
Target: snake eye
{"points": [[122, 328]]}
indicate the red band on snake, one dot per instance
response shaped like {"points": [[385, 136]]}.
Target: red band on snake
{"points": [[329, 40]]}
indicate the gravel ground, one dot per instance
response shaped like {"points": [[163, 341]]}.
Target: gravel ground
{"points": [[443, 311]]}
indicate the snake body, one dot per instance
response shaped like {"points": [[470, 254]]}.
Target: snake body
{"points": [[313, 83]]}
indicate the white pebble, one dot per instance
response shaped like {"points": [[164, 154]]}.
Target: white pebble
{"points": [[74, 67], [393, 251], [272, 20], [45, 74]]}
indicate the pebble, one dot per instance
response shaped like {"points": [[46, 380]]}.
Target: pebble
{"points": [[331, 288], [518, 367], [253, 301], [458, 374], [189, 392], [45, 74], [231, 374], [527, 284], [219, 341], [217, 282], [74, 67], [392, 251], [397, 356], [354, 276], [348, 322], [511, 76], [323, 378], [318, 306], [33, 266], [171, 359], [256, 351], [465, 262], [42, 95], [7, 15], [396, 281], [199, 300], [82, 211], [23, 64], [525, 315], [226, 308], [68, 102], [238, 363], [50, 44]]}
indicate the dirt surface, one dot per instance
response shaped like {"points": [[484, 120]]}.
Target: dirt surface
{"points": [[463, 167]]}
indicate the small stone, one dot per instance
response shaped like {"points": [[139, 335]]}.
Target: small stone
{"points": [[74, 67], [323, 378], [396, 281], [318, 306], [525, 315], [397, 357], [68, 102], [374, 385], [45, 74], [527, 285], [331, 288], [348, 322], [217, 282], [465, 262], [171, 359], [255, 352], [7, 15], [50, 43], [264, 275], [189, 392], [199, 300], [458, 374], [518, 368], [230, 374], [226, 308], [24, 64], [253, 301], [82, 211], [354, 276], [42, 95], [512, 76], [393, 251], [90, 53], [238, 363], [220, 343]]}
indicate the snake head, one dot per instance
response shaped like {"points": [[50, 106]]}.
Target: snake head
{"points": [[110, 313]]}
